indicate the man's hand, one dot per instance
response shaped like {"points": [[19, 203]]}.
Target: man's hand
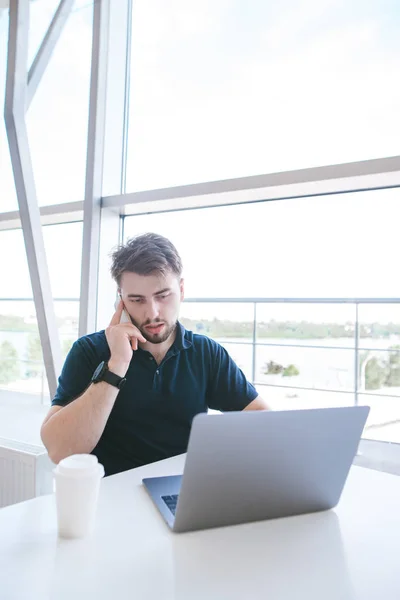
{"points": [[122, 339]]}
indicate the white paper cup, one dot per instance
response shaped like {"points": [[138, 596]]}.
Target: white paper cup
{"points": [[77, 480]]}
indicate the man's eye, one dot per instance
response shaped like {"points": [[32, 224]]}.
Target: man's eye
{"points": [[163, 296]]}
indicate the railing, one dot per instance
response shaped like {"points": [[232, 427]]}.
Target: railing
{"points": [[24, 377], [22, 373], [361, 353], [257, 340]]}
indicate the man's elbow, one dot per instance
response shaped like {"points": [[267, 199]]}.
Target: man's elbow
{"points": [[258, 404], [51, 451], [54, 451], [54, 457], [50, 437], [55, 454]]}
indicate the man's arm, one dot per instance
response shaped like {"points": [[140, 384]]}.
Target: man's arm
{"points": [[77, 427], [257, 404]]}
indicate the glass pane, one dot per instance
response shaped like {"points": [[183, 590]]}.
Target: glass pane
{"points": [[221, 91], [15, 270], [40, 16], [323, 247], [384, 419], [63, 244], [19, 338], [63, 258], [8, 198], [280, 398], [219, 320], [379, 325], [380, 371], [316, 324], [24, 395], [57, 119], [315, 368]]}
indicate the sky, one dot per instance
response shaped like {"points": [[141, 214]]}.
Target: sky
{"points": [[57, 118], [221, 89], [229, 88]]}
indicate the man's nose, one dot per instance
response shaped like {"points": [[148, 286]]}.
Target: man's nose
{"points": [[151, 310]]}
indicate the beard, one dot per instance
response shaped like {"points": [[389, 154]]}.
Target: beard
{"points": [[156, 338]]}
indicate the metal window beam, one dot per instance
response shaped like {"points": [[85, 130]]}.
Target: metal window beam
{"points": [[94, 168], [115, 147], [331, 179], [265, 301], [295, 300], [47, 46], [117, 105], [49, 215], [19, 299], [14, 114], [351, 177]]}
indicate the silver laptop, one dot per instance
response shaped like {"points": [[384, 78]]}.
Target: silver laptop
{"points": [[256, 465]]}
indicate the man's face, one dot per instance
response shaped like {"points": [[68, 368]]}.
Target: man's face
{"points": [[152, 302]]}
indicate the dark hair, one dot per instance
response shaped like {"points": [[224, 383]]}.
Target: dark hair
{"points": [[145, 254]]}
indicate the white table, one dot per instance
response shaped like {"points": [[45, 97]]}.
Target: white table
{"points": [[350, 553]]}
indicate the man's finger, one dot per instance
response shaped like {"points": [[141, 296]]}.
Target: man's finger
{"points": [[133, 332], [118, 313], [139, 336]]}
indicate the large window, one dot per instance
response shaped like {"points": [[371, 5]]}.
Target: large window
{"points": [[333, 246], [8, 198], [24, 395], [57, 120], [222, 90], [299, 354], [227, 89], [57, 133]]}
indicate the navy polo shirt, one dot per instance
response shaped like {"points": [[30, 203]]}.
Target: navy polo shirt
{"points": [[153, 412]]}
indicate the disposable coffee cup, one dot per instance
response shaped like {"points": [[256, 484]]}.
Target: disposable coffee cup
{"points": [[77, 482]]}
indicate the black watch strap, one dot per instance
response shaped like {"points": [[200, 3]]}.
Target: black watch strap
{"points": [[102, 373]]}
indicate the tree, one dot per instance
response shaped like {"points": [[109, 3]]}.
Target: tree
{"points": [[273, 368], [66, 346], [376, 373], [9, 368], [380, 372], [290, 371], [34, 356], [393, 377]]}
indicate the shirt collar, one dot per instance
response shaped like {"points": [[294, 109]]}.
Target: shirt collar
{"points": [[181, 340]]}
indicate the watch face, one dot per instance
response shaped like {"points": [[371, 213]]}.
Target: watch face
{"points": [[98, 372]]}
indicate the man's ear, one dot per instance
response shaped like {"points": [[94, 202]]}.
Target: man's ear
{"points": [[182, 288]]}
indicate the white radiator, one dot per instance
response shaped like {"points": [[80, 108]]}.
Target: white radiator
{"points": [[25, 472]]}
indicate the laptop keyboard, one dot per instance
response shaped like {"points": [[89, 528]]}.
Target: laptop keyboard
{"points": [[171, 502]]}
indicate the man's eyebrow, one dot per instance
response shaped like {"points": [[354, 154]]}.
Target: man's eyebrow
{"points": [[158, 293]]}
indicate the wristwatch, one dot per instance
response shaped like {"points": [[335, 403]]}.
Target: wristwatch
{"points": [[102, 373]]}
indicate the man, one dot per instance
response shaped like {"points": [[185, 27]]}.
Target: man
{"points": [[128, 394]]}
